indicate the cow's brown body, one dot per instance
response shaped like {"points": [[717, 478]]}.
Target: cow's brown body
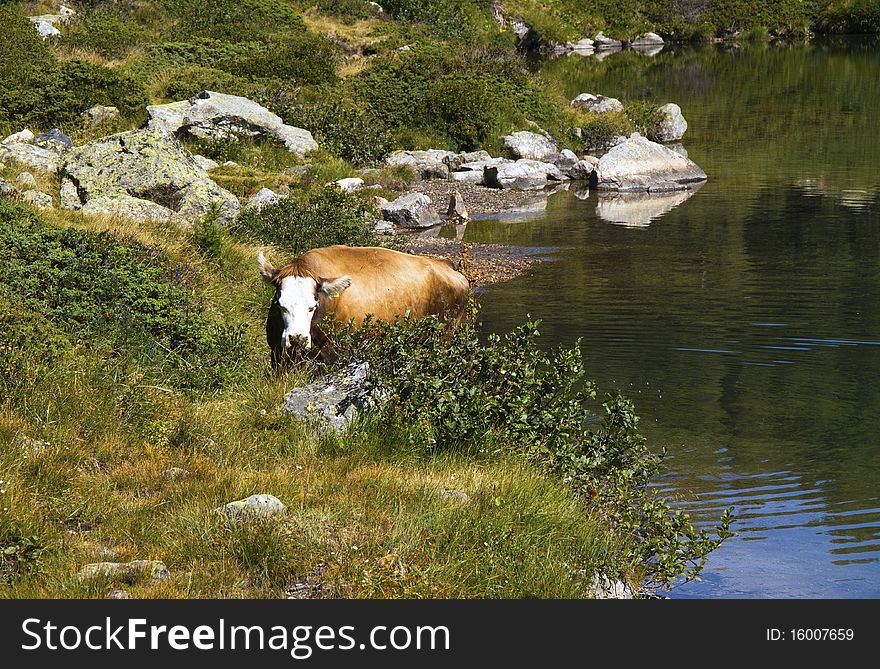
{"points": [[385, 284]]}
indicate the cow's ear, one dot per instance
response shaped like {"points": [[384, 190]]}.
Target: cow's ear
{"points": [[334, 287], [268, 272]]}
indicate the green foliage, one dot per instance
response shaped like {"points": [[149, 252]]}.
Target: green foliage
{"points": [[232, 20], [847, 16], [321, 217], [450, 391], [265, 548], [343, 129], [449, 19], [36, 89], [108, 33], [209, 234], [463, 95], [115, 295], [19, 551]]}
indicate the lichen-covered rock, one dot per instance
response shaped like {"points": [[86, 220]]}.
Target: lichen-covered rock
{"points": [[212, 115], [255, 506], [38, 199], [672, 125], [122, 205], [26, 181], [522, 175], [55, 140], [597, 104], [36, 157], [639, 164], [149, 165], [100, 114], [333, 400], [127, 572], [25, 136], [411, 211], [530, 145]]}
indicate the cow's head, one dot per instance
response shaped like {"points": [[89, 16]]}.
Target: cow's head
{"points": [[301, 300]]}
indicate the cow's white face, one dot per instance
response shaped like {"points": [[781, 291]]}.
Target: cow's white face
{"points": [[298, 301]]}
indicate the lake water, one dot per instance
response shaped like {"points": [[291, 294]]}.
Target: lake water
{"points": [[743, 320]]}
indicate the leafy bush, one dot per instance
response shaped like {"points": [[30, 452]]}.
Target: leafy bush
{"points": [[108, 33], [19, 551], [117, 295], [322, 217], [36, 89], [847, 16], [343, 129], [451, 391], [232, 20]]}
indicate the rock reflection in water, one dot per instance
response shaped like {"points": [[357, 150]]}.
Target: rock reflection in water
{"points": [[637, 210]]}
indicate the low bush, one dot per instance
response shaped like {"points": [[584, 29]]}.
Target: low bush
{"points": [[107, 33], [316, 218], [116, 296], [450, 391]]}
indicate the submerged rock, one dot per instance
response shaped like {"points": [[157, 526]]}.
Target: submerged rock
{"points": [[333, 400], [149, 165], [411, 211], [530, 145], [639, 164], [672, 125]]}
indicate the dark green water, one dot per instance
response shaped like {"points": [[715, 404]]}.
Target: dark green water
{"points": [[745, 320]]}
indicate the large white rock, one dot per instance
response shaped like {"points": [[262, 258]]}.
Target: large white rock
{"points": [[430, 164], [264, 197], [530, 145], [255, 506], [411, 211], [212, 115], [46, 29], [524, 174], [598, 104], [38, 157], [601, 42], [639, 164], [647, 40], [672, 125], [20, 136]]}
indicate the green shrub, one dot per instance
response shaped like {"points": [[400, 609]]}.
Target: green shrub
{"points": [[342, 129], [110, 34], [116, 296], [847, 16], [19, 551], [231, 20], [322, 217], [451, 391], [37, 90]]}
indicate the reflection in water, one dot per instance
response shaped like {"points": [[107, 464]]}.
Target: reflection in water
{"points": [[746, 327], [637, 210]]}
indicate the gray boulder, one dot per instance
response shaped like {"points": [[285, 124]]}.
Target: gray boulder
{"points": [[671, 126], [456, 161], [581, 170], [332, 401], [522, 175], [38, 199], [263, 198], [20, 136], [647, 40], [255, 506], [602, 43], [55, 140], [26, 181], [457, 209], [149, 165], [565, 160], [45, 28], [100, 114], [205, 163], [530, 145], [430, 164], [639, 164], [597, 104], [36, 157], [411, 211], [122, 205], [127, 572], [69, 196], [350, 184], [212, 115]]}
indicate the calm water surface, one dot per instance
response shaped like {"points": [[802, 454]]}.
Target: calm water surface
{"points": [[743, 320]]}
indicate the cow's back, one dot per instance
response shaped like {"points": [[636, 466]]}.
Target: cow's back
{"points": [[387, 283]]}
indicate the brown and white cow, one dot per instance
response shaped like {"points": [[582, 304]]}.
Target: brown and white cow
{"points": [[353, 282]]}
